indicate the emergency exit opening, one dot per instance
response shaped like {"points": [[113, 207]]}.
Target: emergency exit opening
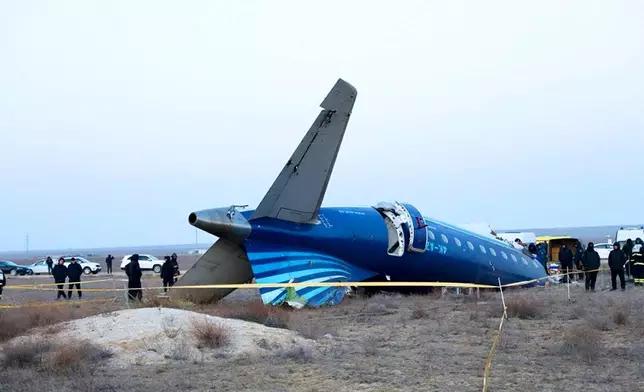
{"points": [[395, 228]]}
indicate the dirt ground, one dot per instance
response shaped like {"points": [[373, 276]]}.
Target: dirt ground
{"points": [[416, 343]]}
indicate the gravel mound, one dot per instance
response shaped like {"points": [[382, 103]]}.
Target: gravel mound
{"points": [[158, 335]]}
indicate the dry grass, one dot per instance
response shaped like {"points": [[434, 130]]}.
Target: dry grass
{"points": [[548, 343], [621, 316], [523, 307], [15, 322], [209, 334], [25, 354], [45, 355], [419, 311], [76, 357], [256, 312], [583, 342]]}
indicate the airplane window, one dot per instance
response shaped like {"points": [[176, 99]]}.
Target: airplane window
{"points": [[504, 255], [536, 265], [457, 241], [469, 245], [492, 252], [444, 238], [525, 261], [431, 235], [514, 258], [482, 248]]}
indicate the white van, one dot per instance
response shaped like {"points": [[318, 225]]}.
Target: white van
{"points": [[630, 232]]}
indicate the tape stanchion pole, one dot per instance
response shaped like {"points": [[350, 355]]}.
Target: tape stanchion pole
{"points": [[488, 362], [505, 309], [568, 287], [127, 297]]}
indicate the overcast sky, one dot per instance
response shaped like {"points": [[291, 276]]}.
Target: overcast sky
{"points": [[119, 118]]}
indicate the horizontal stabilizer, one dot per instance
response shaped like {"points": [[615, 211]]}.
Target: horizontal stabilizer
{"points": [[224, 263], [298, 191], [272, 263]]}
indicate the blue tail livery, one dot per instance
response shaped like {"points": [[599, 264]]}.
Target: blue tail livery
{"points": [[289, 237]]}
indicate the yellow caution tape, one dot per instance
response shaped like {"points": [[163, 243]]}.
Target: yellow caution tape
{"points": [[298, 284]]}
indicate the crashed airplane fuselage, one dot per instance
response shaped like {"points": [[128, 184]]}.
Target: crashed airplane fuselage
{"points": [[289, 238]]}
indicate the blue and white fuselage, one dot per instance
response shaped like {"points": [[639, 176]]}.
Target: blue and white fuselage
{"points": [[290, 238], [350, 244]]}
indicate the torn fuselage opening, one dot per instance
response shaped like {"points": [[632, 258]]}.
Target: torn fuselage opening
{"points": [[395, 220]]}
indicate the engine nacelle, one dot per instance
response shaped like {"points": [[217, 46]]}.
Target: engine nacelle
{"points": [[222, 222]]}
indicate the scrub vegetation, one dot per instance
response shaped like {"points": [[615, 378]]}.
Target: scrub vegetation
{"points": [[384, 342]]}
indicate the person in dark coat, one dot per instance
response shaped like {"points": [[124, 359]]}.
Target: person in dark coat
{"points": [[133, 271], [50, 265], [579, 251], [637, 262], [628, 250], [60, 274], [3, 282], [175, 263], [616, 261], [167, 274], [108, 263], [591, 262], [565, 259], [74, 272]]}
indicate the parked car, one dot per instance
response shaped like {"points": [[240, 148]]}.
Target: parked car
{"points": [[13, 269], [603, 249], [39, 267], [89, 267], [147, 263]]}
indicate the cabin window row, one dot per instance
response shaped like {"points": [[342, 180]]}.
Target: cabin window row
{"points": [[482, 249]]}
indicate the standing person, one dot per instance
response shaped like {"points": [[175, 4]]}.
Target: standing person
{"points": [[579, 251], [616, 260], [628, 250], [637, 262], [167, 274], [565, 259], [60, 274], [133, 271], [3, 282], [532, 248], [175, 263], [591, 262], [108, 263], [74, 272], [50, 265]]}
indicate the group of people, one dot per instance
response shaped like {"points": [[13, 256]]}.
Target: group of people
{"points": [[61, 273], [586, 261], [628, 261], [169, 273], [621, 262]]}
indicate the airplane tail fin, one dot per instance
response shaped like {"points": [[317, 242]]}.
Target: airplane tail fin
{"points": [[298, 191]]}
